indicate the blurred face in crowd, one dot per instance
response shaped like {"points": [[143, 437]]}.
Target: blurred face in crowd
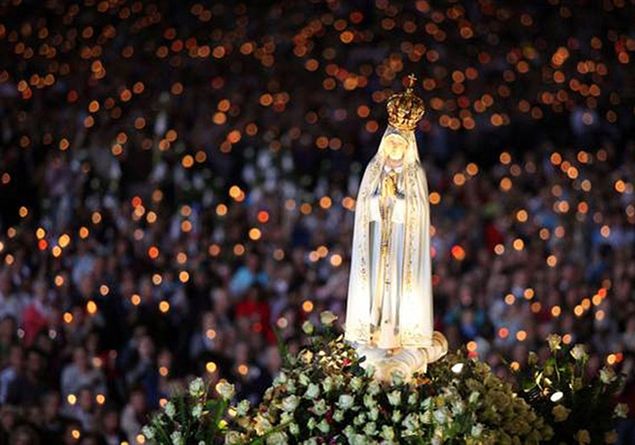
{"points": [[16, 358], [86, 399], [40, 290], [34, 363], [252, 262], [7, 327], [5, 284], [111, 422], [86, 286], [7, 417], [273, 361], [208, 321], [164, 359], [52, 403], [146, 348], [138, 402], [24, 436], [221, 302], [80, 358]]}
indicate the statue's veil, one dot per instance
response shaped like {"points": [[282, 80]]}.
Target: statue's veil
{"points": [[416, 321]]}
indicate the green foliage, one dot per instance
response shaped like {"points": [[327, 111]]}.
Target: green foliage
{"points": [[580, 407], [325, 395], [191, 417]]}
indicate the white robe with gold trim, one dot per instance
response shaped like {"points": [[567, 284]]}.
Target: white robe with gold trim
{"points": [[400, 314]]}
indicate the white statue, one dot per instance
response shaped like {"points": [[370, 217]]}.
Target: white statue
{"points": [[389, 313]]}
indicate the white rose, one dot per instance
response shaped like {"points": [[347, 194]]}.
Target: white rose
{"points": [[319, 407], [225, 389], [177, 438], [345, 401], [261, 425], [197, 411], [370, 428], [324, 426], [170, 410], [583, 437], [327, 384], [374, 388], [243, 408], [233, 438], [412, 398], [578, 352], [440, 416], [338, 415], [396, 416], [611, 437], [307, 327], [396, 378], [411, 422], [360, 419], [285, 417], [147, 432], [621, 410], [304, 379], [312, 391], [477, 430], [327, 318], [280, 378], [373, 413], [387, 433], [394, 398], [554, 341], [306, 356], [197, 387], [290, 403], [369, 401], [294, 429], [560, 413], [277, 438], [458, 407], [357, 439], [356, 383], [311, 423], [607, 375]]}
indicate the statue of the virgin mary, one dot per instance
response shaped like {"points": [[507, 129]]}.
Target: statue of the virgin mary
{"points": [[389, 313]]}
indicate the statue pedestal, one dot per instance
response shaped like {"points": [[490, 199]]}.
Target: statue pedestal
{"points": [[403, 362]]}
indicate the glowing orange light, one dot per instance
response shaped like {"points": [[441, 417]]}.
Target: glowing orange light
{"points": [[307, 306], [263, 216], [164, 306], [153, 252], [458, 253]]}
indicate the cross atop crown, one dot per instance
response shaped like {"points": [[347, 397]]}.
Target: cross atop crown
{"points": [[412, 78]]}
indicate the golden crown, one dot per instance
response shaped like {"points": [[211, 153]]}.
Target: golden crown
{"points": [[405, 109]]}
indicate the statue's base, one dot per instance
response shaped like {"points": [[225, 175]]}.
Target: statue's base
{"points": [[402, 362]]}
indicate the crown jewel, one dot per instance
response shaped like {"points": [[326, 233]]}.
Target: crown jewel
{"points": [[405, 109]]}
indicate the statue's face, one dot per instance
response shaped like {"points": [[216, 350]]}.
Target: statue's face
{"points": [[395, 147]]}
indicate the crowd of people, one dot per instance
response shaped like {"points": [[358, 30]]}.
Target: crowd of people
{"points": [[178, 180]]}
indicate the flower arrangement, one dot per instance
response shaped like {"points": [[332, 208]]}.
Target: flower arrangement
{"points": [[580, 407], [192, 417], [324, 395]]}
